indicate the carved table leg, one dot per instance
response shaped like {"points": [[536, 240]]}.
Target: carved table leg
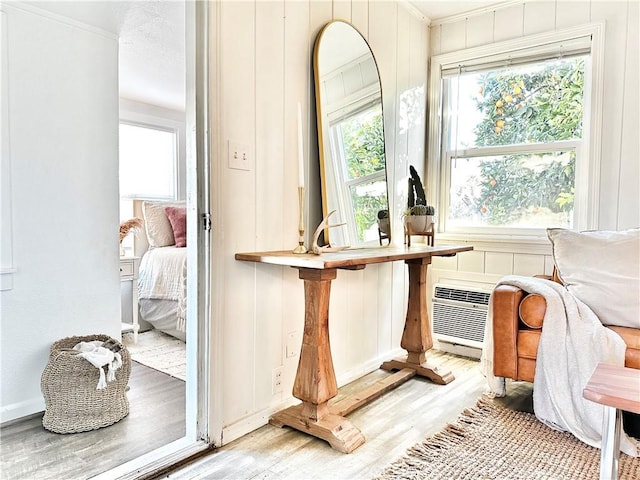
{"points": [[315, 382], [416, 338]]}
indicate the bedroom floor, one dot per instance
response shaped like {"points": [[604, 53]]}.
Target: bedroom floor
{"points": [[156, 418], [160, 351]]}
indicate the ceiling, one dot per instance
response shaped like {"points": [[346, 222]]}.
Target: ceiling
{"points": [[434, 9], [151, 44], [152, 40]]}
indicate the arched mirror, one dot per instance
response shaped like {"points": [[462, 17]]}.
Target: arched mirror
{"points": [[351, 137]]}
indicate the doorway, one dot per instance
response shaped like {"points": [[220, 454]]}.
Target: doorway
{"points": [[196, 193]]}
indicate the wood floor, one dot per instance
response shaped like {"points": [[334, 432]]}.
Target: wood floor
{"points": [[157, 417], [390, 424]]}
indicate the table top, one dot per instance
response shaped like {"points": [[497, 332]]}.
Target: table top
{"points": [[614, 386], [351, 258]]}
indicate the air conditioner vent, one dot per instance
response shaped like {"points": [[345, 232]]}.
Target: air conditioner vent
{"points": [[459, 314], [456, 322], [460, 295]]}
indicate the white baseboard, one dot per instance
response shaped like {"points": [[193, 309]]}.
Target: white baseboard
{"points": [[252, 422], [260, 418], [462, 350], [18, 410]]}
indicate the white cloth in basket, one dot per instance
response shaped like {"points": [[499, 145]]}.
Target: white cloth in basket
{"points": [[99, 356]]}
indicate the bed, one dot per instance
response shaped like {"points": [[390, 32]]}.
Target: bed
{"points": [[163, 269]]}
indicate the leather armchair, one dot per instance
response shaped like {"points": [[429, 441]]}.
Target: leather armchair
{"points": [[517, 324]]}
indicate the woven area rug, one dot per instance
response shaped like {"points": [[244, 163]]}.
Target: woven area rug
{"points": [[159, 351], [489, 441]]}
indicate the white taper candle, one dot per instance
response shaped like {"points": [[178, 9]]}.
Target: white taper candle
{"points": [[300, 149]]}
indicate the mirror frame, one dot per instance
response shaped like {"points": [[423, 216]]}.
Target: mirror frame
{"points": [[321, 137]]}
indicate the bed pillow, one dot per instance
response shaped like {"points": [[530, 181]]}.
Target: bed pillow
{"points": [[601, 269], [157, 225], [178, 219]]}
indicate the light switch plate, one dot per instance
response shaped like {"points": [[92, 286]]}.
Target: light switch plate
{"points": [[293, 344], [238, 156]]}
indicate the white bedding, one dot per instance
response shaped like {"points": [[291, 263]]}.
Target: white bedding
{"points": [[162, 276]]}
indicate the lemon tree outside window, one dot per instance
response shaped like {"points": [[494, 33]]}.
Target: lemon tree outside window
{"points": [[512, 144], [514, 136]]}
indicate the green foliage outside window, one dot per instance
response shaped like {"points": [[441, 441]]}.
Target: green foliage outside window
{"points": [[531, 107], [363, 144], [522, 106], [511, 190]]}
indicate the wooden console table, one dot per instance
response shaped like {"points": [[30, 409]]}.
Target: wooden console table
{"points": [[315, 382]]}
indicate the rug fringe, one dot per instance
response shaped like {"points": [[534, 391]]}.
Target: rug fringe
{"points": [[490, 441], [452, 434]]}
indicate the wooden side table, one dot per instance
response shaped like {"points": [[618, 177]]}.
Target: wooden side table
{"points": [[129, 273], [617, 388]]}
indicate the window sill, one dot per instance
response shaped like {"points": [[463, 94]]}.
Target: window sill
{"points": [[535, 245]]}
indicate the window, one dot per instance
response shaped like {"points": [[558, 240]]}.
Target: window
{"points": [[148, 169], [514, 141], [357, 142], [148, 160]]}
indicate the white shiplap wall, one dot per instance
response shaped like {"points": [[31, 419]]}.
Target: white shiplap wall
{"points": [[619, 201], [261, 67]]}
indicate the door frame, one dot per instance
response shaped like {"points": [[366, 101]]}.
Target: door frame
{"points": [[198, 385]]}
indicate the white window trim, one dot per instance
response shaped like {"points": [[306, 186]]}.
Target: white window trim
{"points": [[587, 174]]}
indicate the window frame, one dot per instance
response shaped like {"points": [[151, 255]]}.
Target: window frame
{"points": [[587, 179], [176, 156], [336, 113]]}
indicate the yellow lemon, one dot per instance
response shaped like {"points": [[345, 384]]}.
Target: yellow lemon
{"points": [[500, 123], [499, 104], [517, 90]]}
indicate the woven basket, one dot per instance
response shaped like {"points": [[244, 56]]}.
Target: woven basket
{"points": [[68, 383]]}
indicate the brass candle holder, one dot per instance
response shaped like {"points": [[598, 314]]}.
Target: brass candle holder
{"points": [[300, 248]]}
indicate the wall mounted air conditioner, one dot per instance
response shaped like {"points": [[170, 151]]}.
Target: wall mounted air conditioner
{"points": [[459, 314]]}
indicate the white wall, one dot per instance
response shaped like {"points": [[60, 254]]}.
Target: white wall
{"points": [[619, 201], [261, 68], [255, 87], [64, 177]]}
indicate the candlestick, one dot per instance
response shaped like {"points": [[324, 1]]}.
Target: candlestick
{"points": [[300, 248], [300, 149]]}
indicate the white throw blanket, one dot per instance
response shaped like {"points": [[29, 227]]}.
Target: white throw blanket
{"points": [[99, 356], [163, 276], [572, 343]]}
